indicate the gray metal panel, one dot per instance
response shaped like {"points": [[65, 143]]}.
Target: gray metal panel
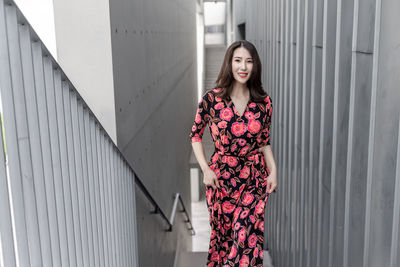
{"points": [[99, 162], [395, 248], [72, 176], [46, 210], [97, 226], [55, 177], [61, 197], [82, 111], [385, 99], [18, 148], [336, 119], [6, 233], [90, 189]]}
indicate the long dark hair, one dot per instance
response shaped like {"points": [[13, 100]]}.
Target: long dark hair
{"points": [[225, 77]]}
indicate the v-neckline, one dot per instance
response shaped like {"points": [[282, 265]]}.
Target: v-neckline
{"points": [[234, 107]]}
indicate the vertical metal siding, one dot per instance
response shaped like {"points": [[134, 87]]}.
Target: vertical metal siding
{"points": [[64, 193], [335, 131]]}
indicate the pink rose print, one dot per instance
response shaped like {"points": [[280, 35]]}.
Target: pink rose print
{"points": [[214, 129], [219, 106], [244, 214], [245, 172], [217, 90], [244, 151], [242, 235], [233, 252], [252, 218], [217, 172], [233, 147], [227, 226], [249, 115], [255, 253], [224, 193], [215, 256], [237, 226], [209, 195], [252, 240], [218, 144], [261, 226], [238, 128], [213, 233], [254, 126], [248, 198], [222, 254], [227, 207], [226, 114], [232, 161], [226, 175], [222, 124], [241, 142], [252, 105], [225, 140], [236, 213], [197, 119], [244, 262], [214, 158], [233, 182], [236, 195], [260, 207]]}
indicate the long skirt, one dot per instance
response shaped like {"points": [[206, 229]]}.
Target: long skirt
{"points": [[236, 210]]}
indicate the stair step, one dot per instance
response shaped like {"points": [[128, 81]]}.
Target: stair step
{"points": [[192, 259]]}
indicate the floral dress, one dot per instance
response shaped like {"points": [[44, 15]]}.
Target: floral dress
{"points": [[237, 208]]}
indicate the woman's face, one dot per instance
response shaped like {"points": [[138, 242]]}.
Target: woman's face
{"points": [[242, 64]]}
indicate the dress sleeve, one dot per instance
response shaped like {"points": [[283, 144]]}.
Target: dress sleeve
{"points": [[201, 119], [264, 137]]}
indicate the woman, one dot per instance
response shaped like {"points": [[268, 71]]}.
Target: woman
{"points": [[242, 172]]}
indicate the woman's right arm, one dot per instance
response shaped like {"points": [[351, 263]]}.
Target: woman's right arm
{"points": [[201, 120], [198, 150]]}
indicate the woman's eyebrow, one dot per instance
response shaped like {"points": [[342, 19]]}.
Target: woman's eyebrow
{"points": [[241, 57]]}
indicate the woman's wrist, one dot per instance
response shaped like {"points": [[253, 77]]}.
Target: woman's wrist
{"points": [[204, 167]]}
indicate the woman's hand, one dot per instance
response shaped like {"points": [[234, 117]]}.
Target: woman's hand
{"points": [[210, 178], [272, 182]]}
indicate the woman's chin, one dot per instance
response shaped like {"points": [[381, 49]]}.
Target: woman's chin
{"points": [[241, 81]]}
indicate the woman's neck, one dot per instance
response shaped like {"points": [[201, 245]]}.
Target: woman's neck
{"points": [[240, 90]]}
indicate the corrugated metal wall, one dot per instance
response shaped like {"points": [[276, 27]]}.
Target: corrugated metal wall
{"points": [[332, 68], [67, 195]]}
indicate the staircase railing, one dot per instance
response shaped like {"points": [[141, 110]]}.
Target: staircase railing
{"points": [[158, 210]]}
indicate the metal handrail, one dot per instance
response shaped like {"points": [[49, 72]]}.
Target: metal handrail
{"points": [[158, 210]]}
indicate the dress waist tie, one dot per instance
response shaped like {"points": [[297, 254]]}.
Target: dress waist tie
{"points": [[254, 157]]}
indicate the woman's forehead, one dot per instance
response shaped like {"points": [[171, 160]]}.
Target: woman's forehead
{"points": [[241, 52]]}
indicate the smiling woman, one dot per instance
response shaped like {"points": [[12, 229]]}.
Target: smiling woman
{"points": [[237, 179]]}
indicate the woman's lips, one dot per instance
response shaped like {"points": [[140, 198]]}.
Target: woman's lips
{"points": [[243, 75]]}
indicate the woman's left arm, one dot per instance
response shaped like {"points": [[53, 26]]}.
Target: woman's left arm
{"points": [[272, 180]]}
